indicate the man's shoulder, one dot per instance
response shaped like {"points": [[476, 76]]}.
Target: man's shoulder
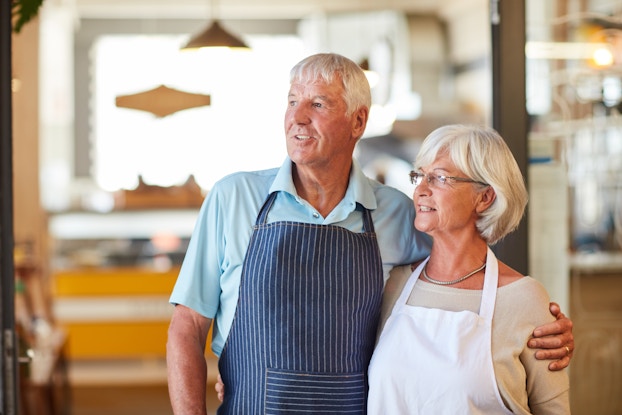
{"points": [[390, 195], [244, 187], [246, 178]]}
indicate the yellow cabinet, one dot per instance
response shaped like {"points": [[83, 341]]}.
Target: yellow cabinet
{"points": [[114, 312]]}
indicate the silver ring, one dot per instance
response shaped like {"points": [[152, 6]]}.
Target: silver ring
{"points": [[567, 350]]}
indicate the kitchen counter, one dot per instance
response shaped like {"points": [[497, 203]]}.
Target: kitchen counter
{"points": [[596, 263]]}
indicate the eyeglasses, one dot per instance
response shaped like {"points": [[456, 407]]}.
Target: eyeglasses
{"points": [[439, 180]]}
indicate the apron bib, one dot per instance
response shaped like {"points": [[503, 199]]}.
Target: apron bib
{"points": [[437, 362], [306, 320]]}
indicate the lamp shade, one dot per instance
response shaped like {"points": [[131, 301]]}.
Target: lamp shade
{"points": [[162, 101], [215, 36]]}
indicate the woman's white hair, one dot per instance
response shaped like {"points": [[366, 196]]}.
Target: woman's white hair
{"points": [[328, 67], [482, 155]]}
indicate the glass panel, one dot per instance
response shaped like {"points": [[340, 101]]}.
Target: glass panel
{"points": [[574, 94], [574, 77]]}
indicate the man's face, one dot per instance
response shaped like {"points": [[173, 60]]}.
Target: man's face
{"points": [[317, 130]]}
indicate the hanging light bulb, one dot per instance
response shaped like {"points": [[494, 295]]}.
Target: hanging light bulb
{"points": [[602, 57], [214, 36]]}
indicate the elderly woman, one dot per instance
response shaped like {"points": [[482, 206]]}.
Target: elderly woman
{"points": [[455, 341]]}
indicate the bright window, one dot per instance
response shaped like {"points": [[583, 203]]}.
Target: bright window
{"points": [[242, 129]]}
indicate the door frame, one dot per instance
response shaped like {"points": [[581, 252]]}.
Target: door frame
{"points": [[509, 109], [8, 362]]}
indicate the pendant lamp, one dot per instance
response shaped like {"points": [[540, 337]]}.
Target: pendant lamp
{"points": [[214, 36], [162, 101]]}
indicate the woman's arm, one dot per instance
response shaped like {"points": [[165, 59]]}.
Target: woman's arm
{"points": [[526, 384]]}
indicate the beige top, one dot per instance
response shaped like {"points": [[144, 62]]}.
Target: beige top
{"points": [[520, 307]]}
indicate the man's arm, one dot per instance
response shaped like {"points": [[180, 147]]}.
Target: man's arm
{"points": [[555, 339], [185, 361]]}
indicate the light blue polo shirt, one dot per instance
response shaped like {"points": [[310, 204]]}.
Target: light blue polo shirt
{"points": [[209, 278]]}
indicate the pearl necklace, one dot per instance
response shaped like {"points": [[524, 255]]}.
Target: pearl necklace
{"points": [[437, 282]]}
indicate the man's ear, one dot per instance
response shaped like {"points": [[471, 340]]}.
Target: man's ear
{"points": [[359, 122], [487, 197]]}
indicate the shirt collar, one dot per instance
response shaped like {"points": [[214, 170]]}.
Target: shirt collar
{"points": [[359, 190]]}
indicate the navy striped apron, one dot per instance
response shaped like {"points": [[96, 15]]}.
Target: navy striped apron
{"points": [[306, 318]]}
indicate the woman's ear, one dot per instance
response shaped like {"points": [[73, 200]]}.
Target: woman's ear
{"points": [[487, 197]]}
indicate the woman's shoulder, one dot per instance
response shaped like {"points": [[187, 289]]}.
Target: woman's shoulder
{"points": [[525, 298], [525, 285], [508, 275]]}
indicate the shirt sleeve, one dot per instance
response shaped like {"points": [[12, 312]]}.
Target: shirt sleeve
{"points": [[525, 307], [197, 285], [547, 390]]}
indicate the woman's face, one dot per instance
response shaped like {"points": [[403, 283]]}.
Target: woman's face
{"points": [[445, 209]]}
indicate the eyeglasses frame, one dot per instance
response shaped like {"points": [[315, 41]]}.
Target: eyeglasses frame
{"points": [[442, 179]]}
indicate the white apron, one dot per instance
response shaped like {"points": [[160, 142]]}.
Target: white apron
{"points": [[434, 362]]}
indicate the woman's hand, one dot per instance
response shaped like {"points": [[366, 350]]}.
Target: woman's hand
{"points": [[220, 388]]}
